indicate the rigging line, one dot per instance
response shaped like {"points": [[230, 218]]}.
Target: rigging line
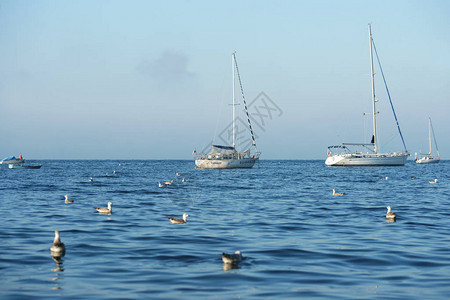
{"points": [[389, 95], [434, 137], [245, 103]]}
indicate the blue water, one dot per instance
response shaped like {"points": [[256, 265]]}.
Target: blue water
{"points": [[298, 239]]}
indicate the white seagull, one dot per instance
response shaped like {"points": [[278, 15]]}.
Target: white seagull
{"points": [[337, 194], [232, 258], [58, 248], [389, 214], [67, 200], [104, 210], [178, 221]]}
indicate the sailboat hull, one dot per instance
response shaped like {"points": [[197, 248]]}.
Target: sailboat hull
{"points": [[348, 160], [245, 163], [427, 160]]}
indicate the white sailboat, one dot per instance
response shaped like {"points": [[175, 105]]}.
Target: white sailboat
{"points": [[427, 157], [369, 156], [227, 157]]}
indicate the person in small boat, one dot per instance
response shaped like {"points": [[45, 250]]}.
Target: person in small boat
{"points": [[20, 156]]}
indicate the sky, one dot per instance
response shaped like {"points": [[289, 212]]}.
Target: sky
{"points": [[153, 80]]}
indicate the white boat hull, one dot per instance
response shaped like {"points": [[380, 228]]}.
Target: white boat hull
{"points": [[366, 160], [16, 166], [12, 161], [427, 160], [244, 163]]}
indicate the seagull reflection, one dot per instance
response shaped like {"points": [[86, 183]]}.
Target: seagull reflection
{"points": [[58, 270], [59, 264], [227, 267]]}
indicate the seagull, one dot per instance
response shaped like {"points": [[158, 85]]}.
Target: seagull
{"points": [[384, 178], [162, 184], [232, 258], [178, 174], [183, 180], [389, 214], [168, 182], [104, 210], [178, 221], [90, 179], [67, 199], [413, 177], [337, 194], [57, 249], [433, 181]]}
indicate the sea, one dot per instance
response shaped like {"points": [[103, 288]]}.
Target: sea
{"points": [[297, 239]]}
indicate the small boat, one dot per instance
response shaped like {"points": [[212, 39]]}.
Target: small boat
{"points": [[428, 158], [369, 155], [227, 157], [21, 166], [12, 160]]}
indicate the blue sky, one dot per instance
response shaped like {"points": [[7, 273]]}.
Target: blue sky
{"points": [[152, 79]]}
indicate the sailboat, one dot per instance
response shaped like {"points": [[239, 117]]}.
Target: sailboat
{"points": [[428, 158], [370, 155], [227, 157]]}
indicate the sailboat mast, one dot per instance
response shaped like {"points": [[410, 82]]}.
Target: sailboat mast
{"points": [[429, 133], [373, 95], [234, 107]]}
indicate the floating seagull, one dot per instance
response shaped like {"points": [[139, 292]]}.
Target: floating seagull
{"points": [[178, 221], [183, 180], [114, 172], [178, 174], [67, 199], [384, 178], [57, 249], [162, 184], [168, 182], [413, 177], [90, 179], [389, 214], [232, 258], [433, 181], [337, 194], [104, 210]]}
